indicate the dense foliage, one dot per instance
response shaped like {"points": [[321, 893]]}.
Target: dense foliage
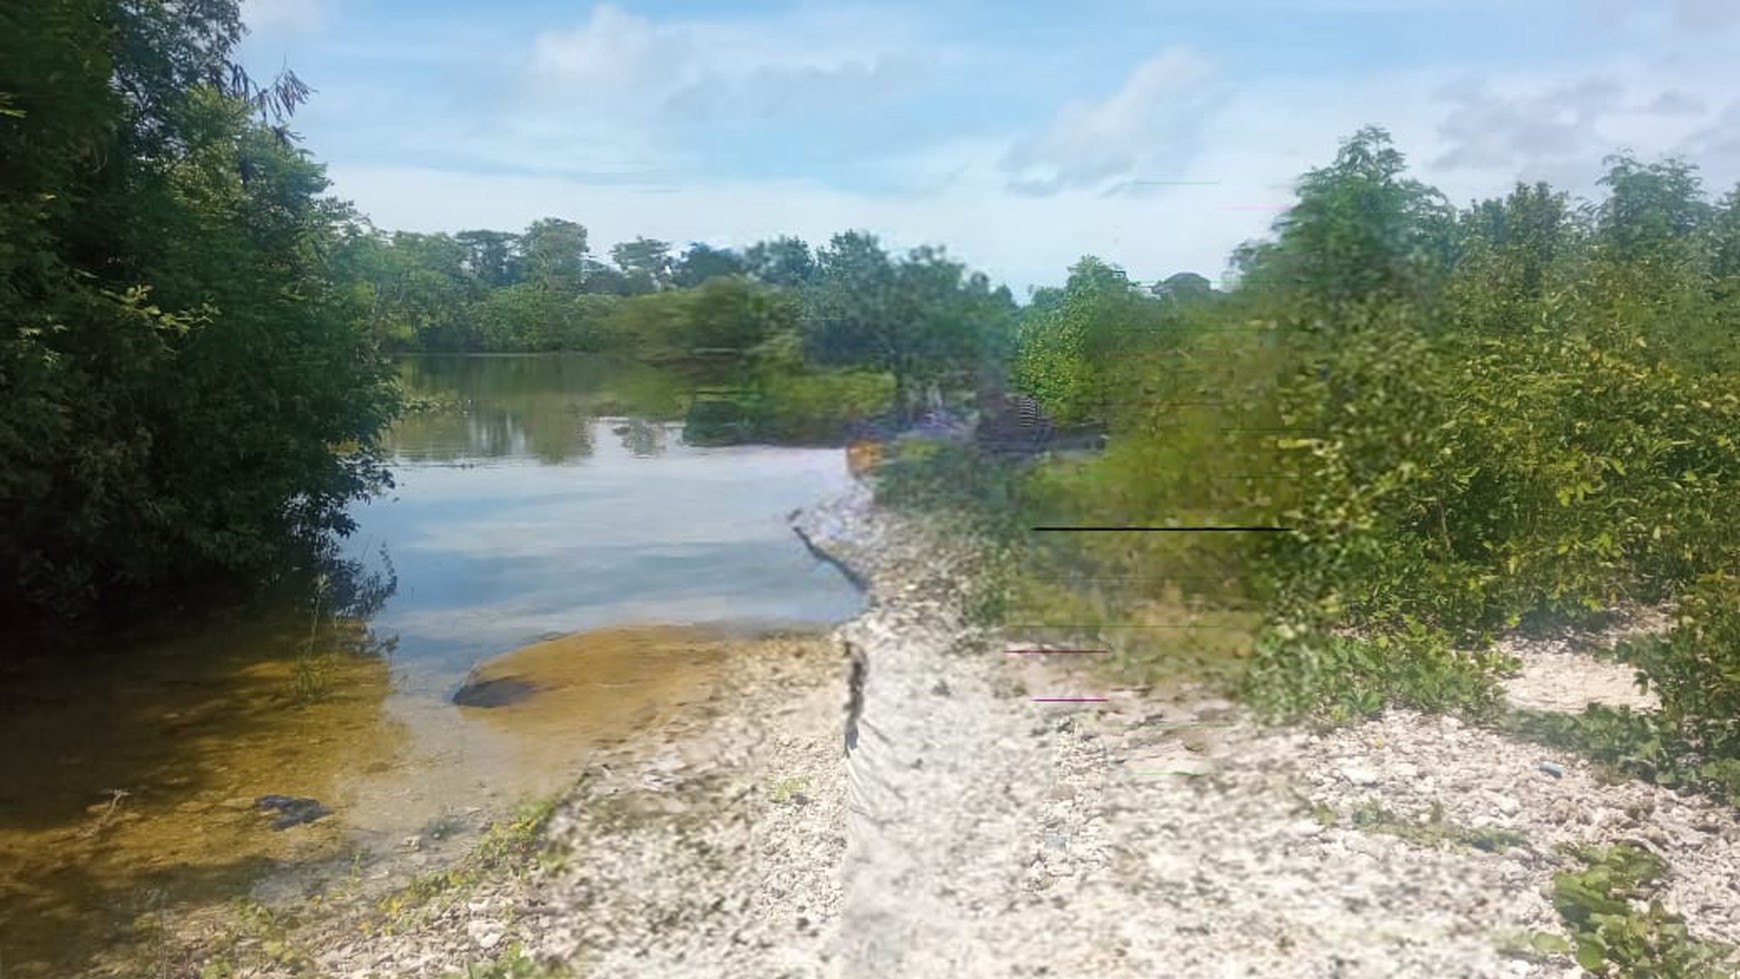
{"points": [[182, 391], [1518, 413]]}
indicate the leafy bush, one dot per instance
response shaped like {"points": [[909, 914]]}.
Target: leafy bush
{"points": [[989, 496], [1696, 668], [1299, 671], [1472, 483], [1616, 938]]}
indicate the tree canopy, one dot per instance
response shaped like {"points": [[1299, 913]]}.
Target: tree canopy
{"points": [[185, 393]]}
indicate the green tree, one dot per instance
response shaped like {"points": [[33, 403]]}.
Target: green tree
{"points": [[1184, 287], [654, 327], [1724, 231], [1360, 232], [783, 262], [529, 317], [736, 313], [1724, 276], [953, 322], [1653, 259], [921, 319], [434, 293], [1513, 252], [1653, 211], [849, 309], [555, 252], [188, 394], [703, 262], [604, 279], [1074, 350], [645, 262], [495, 258]]}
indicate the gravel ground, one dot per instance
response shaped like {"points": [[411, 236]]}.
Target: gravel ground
{"points": [[1560, 674], [976, 833]]}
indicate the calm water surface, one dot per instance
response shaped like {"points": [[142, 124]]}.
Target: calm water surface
{"points": [[542, 496], [521, 516]]}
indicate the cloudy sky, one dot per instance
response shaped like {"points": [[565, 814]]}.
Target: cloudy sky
{"points": [[1156, 134]]}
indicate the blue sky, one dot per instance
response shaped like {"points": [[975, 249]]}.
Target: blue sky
{"points": [[1018, 135]]}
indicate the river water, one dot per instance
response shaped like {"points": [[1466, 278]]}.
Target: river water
{"points": [[542, 497]]}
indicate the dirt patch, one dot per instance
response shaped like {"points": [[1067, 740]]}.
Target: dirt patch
{"points": [[569, 694], [1563, 674]]}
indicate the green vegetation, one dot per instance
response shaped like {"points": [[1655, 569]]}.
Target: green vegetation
{"points": [[253, 936], [1520, 413], [1612, 935], [1435, 830], [788, 344], [788, 788], [186, 397], [1625, 744], [197, 385], [513, 847], [1451, 420]]}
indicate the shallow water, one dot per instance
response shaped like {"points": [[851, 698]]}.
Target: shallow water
{"points": [[521, 513]]}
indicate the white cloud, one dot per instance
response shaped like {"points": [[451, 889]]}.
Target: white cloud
{"points": [[1488, 131], [629, 66], [284, 16], [613, 51], [1149, 127], [1559, 126], [1175, 117], [622, 95], [1720, 142], [1673, 103], [1702, 15]]}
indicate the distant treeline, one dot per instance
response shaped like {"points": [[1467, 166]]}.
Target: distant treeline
{"points": [[773, 314]]}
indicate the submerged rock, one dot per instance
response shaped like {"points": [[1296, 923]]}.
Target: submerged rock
{"points": [[293, 810], [494, 693]]}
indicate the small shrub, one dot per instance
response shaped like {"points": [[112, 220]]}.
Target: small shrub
{"points": [[1696, 668], [1618, 924], [1301, 671]]}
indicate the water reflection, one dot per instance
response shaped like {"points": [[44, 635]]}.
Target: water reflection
{"points": [[586, 509], [537, 407], [643, 437], [535, 496]]}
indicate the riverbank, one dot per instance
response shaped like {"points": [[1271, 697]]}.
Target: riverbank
{"points": [[638, 839], [977, 833]]}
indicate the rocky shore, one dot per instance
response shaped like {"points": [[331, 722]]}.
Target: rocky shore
{"points": [[978, 833]]}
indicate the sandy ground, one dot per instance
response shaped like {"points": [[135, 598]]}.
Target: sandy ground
{"points": [[977, 833]]}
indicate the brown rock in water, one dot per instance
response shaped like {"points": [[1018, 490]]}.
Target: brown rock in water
{"points": [[494, 693]]}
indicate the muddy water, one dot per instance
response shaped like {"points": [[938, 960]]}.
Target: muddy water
{"points": [[541, 532]]}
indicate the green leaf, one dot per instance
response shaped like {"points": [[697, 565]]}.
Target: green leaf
{"points": [[1591, 956], [1547, 943]]}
